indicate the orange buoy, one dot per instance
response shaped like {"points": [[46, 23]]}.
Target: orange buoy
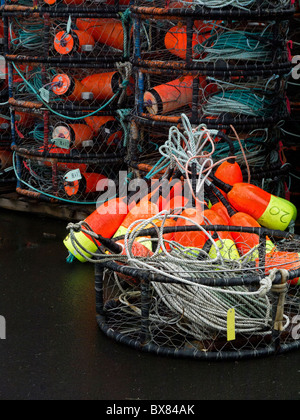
{"points": [[106, 128], [106, 31], [85, 185], [178, 202], [103, 85], [67, 2], [100, 86], [78, 135], [282, 260], [190, 239], [221, 210], [270, 211], [75, 41], [170, 96], [246, 242], [137, 249], [24, 119], [104, 221], [5, 159], [145, 209], [68, 87], [4, 124], [229, 172], [176, 39]]}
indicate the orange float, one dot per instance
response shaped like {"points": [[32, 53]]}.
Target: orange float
{"points": [[75, 41], [77, 135], [85, 185], [106, 127]]}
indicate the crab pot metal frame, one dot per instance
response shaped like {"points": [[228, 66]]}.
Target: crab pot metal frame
{"points": [[191, 9], [64, 37], [53, 7], [174, 92], [190, 43], [43, 178], [138, 329]]}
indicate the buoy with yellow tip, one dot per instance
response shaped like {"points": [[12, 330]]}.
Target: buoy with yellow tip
{"points": [[104, 221], [223, 240], [269, 210], [244, 241]]}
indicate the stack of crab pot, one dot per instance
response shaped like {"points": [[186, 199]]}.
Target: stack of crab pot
{"points": [[70, 91], [224, 67], [7, 179]]}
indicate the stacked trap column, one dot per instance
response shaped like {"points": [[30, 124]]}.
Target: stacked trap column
{"points": [[225, 67], [70, 91], [7, 178]]}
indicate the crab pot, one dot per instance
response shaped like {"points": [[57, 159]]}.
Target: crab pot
{"points": [[71, 133], [61, 177], [73, 86], [101, 37], [203, 314], [163, 96], [211, 45]]}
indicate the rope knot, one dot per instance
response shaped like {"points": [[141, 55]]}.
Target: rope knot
{"points": [[76, 227], [266, 284]]}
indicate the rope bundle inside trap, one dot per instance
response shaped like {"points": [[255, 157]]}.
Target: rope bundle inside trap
{"points": [[185, 301]]}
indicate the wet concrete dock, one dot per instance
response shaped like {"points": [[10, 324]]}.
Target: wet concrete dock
{"points": [[54, 349]]}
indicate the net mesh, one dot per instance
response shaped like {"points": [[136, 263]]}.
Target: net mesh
{"points": [[179, 300]]}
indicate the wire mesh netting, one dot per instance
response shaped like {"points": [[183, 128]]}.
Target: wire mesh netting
{"points": [[163, 95], [211, 45], [71, 87], [79, 180], [44, 134], [68, 38]]}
